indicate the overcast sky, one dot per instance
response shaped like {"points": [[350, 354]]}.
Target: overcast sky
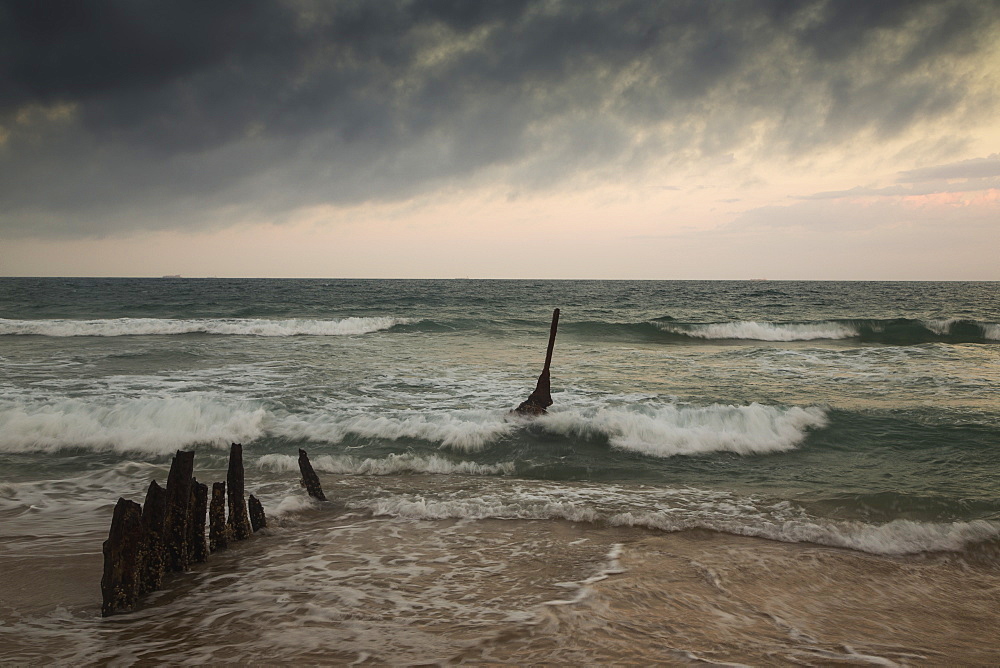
{"points": [[849, 139]]}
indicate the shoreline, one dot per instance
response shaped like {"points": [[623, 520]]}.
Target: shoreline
{"points": [[348, 587]]}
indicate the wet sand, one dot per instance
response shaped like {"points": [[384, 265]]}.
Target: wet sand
{"points": [[333, 589]]}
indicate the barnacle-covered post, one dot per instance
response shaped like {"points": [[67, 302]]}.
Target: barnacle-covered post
{"points": [[152, 556], [197, 547], [120, 583], [218, 532], [239, 521], [178, 513]]}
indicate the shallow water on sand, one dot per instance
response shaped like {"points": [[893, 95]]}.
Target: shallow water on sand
{"points": [[335, 587]]}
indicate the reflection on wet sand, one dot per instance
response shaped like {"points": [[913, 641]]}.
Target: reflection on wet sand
{"points": [[320, 588]]}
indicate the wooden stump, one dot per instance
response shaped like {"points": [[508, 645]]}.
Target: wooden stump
{"points": [[309, 478], [239, 521], [152, 558], [218, 533], [175, 527], [120, 584], [197, 548], [257, 519]]}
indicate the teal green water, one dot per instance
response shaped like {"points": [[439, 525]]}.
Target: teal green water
{"points": [[858, 414]]}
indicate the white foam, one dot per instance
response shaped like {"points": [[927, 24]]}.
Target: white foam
{"points": [[742, 517], [391, 465], [291, 505], [223, 326], [764, 331], [940, 327], [893, 538], [991, 331], [468, 430], [478, 508], [665, 431], [145, 425]]}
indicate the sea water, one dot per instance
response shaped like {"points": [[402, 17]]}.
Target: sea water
{"points": [[745, 471]]}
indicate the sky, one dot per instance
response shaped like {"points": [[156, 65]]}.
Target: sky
{"points": [[701, 139]]}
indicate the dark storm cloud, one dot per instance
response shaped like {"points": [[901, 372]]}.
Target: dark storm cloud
{"points": [[137, 114]]}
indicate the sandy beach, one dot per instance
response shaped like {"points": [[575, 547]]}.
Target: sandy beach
{"points": [[332, 588]]}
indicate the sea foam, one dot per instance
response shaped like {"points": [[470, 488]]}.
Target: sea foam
{"points": [[390, 465], [665, 431], [154, 426], [897, 537], [706, 510], [463, 430], [223, 326], [763, 331]]}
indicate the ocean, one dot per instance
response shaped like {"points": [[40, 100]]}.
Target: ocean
{"points": [[732, 472]]}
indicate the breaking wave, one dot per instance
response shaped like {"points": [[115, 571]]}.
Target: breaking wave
{"points": [[153, 426], [466, 430], [159, 425], [665, 431], [763, 331], [900, 331], [223, 326]]}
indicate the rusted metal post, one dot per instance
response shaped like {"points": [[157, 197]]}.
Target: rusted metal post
{"points": [[541, 398], [309, 478]]}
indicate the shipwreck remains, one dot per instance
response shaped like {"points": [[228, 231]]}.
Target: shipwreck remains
{"points": [[218, 535], [541, 398], [167, 533], [309, 478], [154, 555], [120, 584], [239, 521]]}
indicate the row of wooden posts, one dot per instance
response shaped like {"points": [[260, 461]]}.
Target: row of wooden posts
{"points": [[167, 532]]}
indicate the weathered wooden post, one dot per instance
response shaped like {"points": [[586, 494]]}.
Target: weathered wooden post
{"points": [[218, 533], [541, 398], [309, 478], [239, 522], [197, 547], [168, 534], [152, 559], [175, 527], [257, 519], [120, 583]]}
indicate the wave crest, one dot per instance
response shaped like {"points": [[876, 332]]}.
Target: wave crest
{"points": [[665, 431], [156, 426], [900, 331], [223, 326], [762, 331], [468, 431]]}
